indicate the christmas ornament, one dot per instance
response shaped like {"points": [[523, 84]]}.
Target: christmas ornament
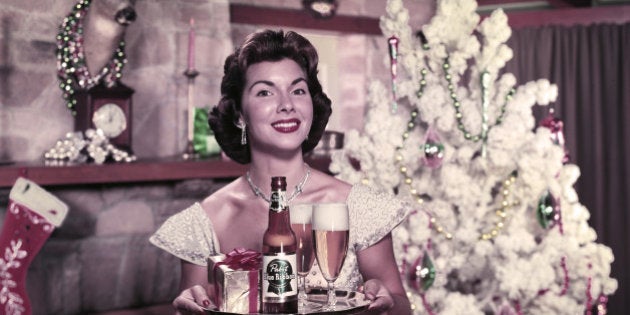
{"points": [[79, 148], [422, 273], [602, 308], [556, 126], [393, 59], [548, 210], [433, 149]]}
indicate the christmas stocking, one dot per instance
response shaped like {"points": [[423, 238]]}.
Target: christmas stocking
{"points": [[32, 215]]}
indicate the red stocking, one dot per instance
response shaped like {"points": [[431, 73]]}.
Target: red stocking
{"points": [[32, 215]]}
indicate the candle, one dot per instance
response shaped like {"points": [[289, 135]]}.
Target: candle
{"points": [[191, 111], [191, 45]]}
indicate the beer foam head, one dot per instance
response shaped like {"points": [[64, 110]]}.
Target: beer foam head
{"points": [[330, 217], [301, 213]]}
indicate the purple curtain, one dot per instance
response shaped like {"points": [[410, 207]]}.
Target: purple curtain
{"points": [[591, 66]]}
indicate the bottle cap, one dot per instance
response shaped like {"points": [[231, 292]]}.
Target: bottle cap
{"points": [[278, 182]]}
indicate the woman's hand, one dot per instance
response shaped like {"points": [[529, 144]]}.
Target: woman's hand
{"points": [[383, 286], [375, 291], [193, 301]]}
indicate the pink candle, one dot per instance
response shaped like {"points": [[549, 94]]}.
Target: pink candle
{"points": [[191, 45]]}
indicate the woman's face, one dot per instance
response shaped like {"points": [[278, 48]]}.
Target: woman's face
{"points": [[277, 106]]}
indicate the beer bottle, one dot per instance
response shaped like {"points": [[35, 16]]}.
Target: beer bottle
{"points": [[279, 281]]}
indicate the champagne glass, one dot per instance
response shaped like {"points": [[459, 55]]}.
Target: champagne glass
{"points": [[330, 236], [301, 215]]}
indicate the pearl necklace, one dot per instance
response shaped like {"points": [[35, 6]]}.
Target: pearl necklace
{"points": [[298, 188]]}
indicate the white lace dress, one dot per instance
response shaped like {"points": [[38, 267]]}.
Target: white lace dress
{"points": [[190, 235]]}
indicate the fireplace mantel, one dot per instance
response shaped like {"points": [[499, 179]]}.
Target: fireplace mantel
{"points": [[144, 170]]}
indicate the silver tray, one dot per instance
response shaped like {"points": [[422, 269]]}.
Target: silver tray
{"points": [[348, 302]]}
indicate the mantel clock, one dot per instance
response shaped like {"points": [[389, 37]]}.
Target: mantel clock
{"points": [[107, 109]]}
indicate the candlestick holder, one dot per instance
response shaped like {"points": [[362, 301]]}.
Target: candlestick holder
{"points": [[189, 152]]}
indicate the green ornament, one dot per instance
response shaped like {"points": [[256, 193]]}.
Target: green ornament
{"points": [[547, 210], [422, 273]]}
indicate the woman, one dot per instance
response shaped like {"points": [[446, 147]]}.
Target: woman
{"points": [[272, 111]]}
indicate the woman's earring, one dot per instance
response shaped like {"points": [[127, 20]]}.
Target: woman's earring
{"points": [[243, 135]]}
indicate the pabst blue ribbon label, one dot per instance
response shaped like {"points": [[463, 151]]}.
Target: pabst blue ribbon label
{"points": [[278, 201], [279, 277]]}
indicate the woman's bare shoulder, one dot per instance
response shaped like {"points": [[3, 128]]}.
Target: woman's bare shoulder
{"points": [[326, 188], [223, 193], [235, 208], [227, 198]]}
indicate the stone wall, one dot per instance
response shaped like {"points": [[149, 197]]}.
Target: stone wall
{"points": [[156, 51], [100, 259]]}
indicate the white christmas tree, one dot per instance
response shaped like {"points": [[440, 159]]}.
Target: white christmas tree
{"points": [[498, 227]]}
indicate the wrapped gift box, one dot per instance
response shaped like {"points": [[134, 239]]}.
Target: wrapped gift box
{"points": [[234, 281]]}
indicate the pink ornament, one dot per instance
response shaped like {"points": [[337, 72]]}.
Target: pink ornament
{"points": [[602, 306], [555, 125], [433, 149], [393, 59]]}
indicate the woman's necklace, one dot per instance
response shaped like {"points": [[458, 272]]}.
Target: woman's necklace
{"points": [[296, 192]]}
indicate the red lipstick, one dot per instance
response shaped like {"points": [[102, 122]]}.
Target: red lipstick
{"points": [[286, 125]]}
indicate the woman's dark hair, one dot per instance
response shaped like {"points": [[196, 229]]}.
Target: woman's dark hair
{"points": [[262, 46]]}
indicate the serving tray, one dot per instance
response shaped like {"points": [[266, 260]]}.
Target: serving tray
{"points": [[348, 302]]}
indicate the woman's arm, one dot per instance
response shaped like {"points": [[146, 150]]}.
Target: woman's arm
{"points": [[382, 279], [193, 294], [192, 275]]}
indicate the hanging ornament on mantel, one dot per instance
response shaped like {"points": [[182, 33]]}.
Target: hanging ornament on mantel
{"points": [[556, 126], [433, 149], [548, 210]]}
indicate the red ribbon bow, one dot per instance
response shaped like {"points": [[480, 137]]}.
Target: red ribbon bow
{"points": [[241, 259], [247, 260]]}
